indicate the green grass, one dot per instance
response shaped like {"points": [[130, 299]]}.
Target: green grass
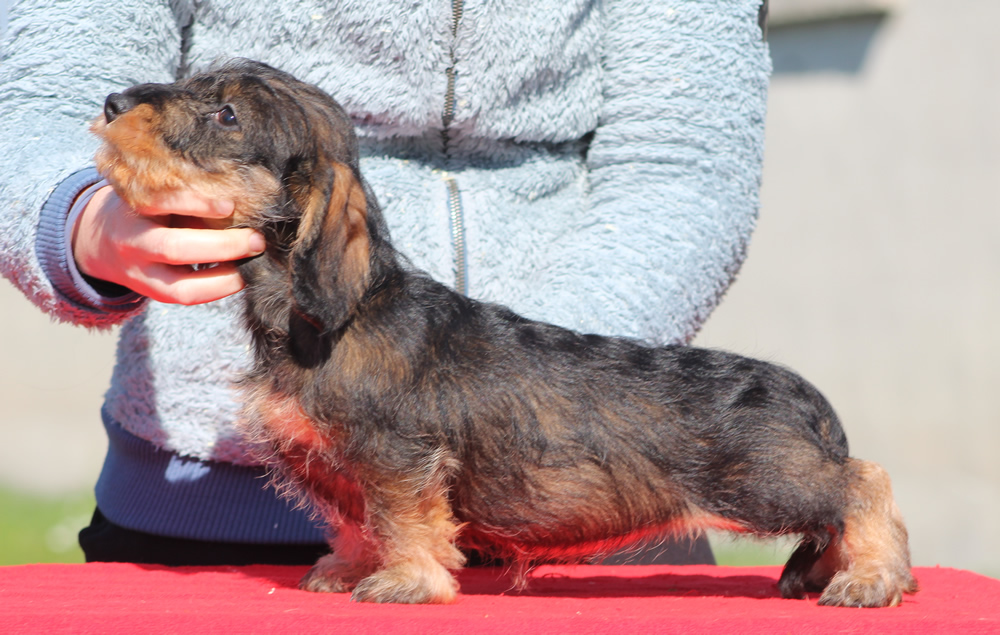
{"points": [[37, 528], [748, 552]]}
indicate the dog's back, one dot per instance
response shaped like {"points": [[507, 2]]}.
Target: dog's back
{"points": [[566, 439]]}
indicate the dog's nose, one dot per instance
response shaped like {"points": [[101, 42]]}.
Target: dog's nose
{"points": [[116, 105]]}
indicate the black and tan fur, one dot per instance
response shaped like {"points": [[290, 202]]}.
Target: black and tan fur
{"points": [[418, 421]]}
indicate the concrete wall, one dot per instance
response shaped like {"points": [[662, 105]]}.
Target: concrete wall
{"points": [[875, 270]]}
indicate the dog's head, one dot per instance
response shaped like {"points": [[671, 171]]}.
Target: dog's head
{"points": [[284, 151]]}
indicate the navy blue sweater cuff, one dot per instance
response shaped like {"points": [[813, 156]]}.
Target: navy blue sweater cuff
{"points": [[55, 252]]}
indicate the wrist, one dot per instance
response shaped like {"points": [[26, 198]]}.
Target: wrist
{"points": [[106, 289]]}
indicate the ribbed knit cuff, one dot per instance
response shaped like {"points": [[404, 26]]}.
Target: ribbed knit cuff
{"points": [[54, 246]]}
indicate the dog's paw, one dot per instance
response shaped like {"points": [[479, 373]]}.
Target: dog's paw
{"points": [[329, 575], [318, 583], [408, 583], [866, 591]]}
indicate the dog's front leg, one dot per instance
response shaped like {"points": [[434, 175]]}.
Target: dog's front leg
{"points": [[417, 551], [418, 554]]}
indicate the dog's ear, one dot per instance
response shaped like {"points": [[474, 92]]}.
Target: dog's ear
{"points": [[329, 259]]}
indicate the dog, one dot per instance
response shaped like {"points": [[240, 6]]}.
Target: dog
{"points": [[419, 422]]}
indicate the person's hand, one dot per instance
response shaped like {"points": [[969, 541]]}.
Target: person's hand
{"points": [[152, 250]]}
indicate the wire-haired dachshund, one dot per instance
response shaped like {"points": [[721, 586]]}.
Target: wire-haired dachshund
{"points": [[418, 421]]}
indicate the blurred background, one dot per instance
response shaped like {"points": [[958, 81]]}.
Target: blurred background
{"points": [[875, 272]]}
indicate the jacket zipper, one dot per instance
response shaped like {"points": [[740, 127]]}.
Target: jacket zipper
{"points": [[454, 199], [451, 72], [457, 235]]}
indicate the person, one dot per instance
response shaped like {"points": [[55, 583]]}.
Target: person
{"points": [[595, 165]]}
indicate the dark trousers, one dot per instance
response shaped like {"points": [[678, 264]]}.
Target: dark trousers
{"points": [[104, 541]]}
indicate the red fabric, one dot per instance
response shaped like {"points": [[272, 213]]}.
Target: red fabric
{"points": [[127, 598]]}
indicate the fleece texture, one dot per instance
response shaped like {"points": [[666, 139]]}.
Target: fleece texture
{"points": [[607, 157]]}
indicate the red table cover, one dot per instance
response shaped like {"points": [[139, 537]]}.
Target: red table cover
{"points": [[128, 598]]}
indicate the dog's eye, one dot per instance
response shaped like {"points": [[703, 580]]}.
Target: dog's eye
{"points": [[226, 117]]}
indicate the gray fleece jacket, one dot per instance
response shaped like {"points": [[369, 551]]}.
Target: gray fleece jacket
{"points": [[592, 163]]}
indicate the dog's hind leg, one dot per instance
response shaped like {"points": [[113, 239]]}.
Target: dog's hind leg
{"points": [[809, 569], [872, 555]]}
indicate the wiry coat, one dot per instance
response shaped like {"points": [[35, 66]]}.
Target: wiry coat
{"points": [[417, 419]]}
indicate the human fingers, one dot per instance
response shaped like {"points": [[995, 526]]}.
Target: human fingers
{"points": [[178, 284], [112, 243], [186, 246], [186, 203]]}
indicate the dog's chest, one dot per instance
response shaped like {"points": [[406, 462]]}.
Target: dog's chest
{"points": [[281, 420]]}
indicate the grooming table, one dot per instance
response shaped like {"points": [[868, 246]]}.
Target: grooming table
{"points": [[128, 598]]}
